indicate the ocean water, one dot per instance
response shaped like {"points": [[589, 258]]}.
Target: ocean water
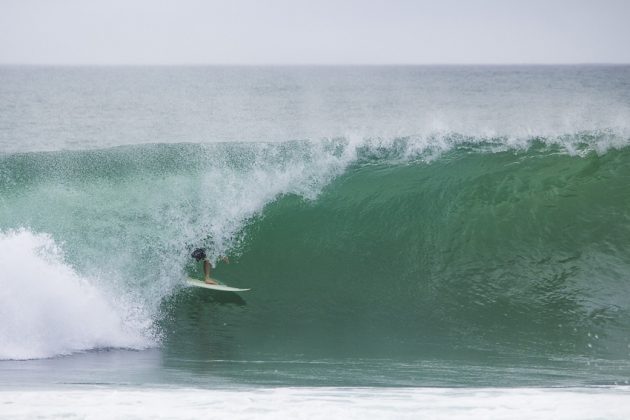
{"points": [[437, 241]]}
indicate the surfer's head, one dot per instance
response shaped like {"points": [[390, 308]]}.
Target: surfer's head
{"points": [[199, 254]]}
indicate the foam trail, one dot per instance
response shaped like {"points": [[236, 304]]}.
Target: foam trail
{"points": [[322, 403], [47, 309]]}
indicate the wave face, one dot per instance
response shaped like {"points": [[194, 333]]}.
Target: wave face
{"points": [[401, 247], [502, 252]]}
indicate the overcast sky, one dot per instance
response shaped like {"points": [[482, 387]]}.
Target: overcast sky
{"points": [[313, 32]]}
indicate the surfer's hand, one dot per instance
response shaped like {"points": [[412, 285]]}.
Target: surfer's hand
{"points": [[225, 260]]}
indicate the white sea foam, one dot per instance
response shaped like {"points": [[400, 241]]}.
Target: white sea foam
{"points": [[48, 309], [321, 403]]}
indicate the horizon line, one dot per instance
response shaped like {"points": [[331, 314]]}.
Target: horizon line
{"points": [[577, 63]]}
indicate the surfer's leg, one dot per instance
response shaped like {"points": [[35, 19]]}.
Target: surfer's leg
{"points": [[207, 271]]}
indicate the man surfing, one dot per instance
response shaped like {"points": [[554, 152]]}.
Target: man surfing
{"points": [[200, 254]]}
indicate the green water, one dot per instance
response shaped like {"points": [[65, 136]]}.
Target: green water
{"points": [[439, 258]]}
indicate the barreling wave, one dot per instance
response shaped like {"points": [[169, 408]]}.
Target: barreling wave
{"points": [[352, 246]]}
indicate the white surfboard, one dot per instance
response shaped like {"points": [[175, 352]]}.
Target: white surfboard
{"points": [[221, 287]]}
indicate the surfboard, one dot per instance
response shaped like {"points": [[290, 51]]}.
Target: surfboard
{"points": [[220, 287]]}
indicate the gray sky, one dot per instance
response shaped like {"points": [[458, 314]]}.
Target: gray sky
{"points": [[313, 32]]}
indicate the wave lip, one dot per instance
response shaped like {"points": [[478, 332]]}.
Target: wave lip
{"points": [[48, 309]]}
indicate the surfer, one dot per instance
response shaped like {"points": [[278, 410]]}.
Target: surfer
{"points": [[200, 254]]}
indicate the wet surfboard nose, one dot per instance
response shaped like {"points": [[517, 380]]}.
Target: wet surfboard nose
{"points": [[220, 287]]}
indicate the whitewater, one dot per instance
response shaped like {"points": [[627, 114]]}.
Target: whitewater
{"points": [[445, 237]]}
